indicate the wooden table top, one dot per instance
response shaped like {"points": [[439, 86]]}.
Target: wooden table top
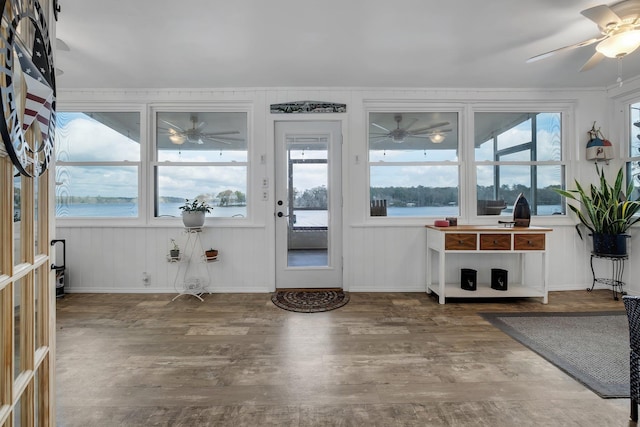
{"points": [[489, 228]]}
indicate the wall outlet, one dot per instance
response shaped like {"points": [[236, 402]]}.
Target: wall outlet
{"points": [[265, 195], [145, 279], [265, 182]]}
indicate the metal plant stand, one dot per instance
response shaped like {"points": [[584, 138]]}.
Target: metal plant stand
{"points": [[617, 271], [187, 281]]}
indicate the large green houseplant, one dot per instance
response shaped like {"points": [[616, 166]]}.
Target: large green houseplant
{"points": [[606, 211]]}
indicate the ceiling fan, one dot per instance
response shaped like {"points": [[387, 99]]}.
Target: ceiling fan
{"points": [[398, 135], [619, 26], [195, 134]]}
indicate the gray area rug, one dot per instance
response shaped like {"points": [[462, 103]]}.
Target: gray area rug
{"points": [[592, 347]]}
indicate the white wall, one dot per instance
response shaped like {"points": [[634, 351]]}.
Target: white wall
{"points": [[385, 255]]}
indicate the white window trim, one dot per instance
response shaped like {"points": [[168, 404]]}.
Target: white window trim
{"points": [[213, 107], [72, 107], [466, 158], [566, 109], [411, 106]]}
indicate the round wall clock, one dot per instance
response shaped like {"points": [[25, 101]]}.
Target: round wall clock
{"points": [[27, 86]]}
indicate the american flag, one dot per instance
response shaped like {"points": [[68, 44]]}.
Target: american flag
{"points": [[40, 94]]}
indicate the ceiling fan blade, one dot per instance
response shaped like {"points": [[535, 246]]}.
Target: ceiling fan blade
{"points": [[440, 131], [573, 46], [593, 61], [217, 140], [200, 125], [380, 127], [602, 15], [413, 122], [173, 126], [226, 138], [428, 128], [230, 132]]}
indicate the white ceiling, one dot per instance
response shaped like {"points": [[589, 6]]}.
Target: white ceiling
{"points": [[328, 43]]}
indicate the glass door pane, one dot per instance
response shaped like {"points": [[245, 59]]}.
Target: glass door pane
{"points": [[307, 193]]}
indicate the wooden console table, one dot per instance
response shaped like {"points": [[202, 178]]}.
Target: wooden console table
{"points": [[444, 242]]}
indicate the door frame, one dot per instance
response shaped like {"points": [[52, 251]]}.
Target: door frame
{"points": [[340, 239]]}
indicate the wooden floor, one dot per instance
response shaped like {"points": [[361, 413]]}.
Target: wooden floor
{"points": [[385, 359]]}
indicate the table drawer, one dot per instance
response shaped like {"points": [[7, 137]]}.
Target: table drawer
{"points": [[528, 242], [460, 242], [495, 242]]}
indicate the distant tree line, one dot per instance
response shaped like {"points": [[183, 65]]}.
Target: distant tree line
{"points": [[99, 199], [429, 196], [443, 196], [316, 197]]}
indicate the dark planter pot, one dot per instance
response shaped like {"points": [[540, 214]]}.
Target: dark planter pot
{"points": [[211, 254], [610, 244]]}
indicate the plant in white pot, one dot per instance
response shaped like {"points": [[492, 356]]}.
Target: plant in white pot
{"points": [[606, 211], [193, 213]]}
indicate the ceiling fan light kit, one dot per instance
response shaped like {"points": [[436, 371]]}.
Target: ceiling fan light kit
{"points": [[619, 26], [620, 44], [177, 139], [437, 138]]}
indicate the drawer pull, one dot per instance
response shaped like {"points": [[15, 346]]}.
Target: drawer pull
{"points": [[495, 242], [460, 242], [529, 242]]}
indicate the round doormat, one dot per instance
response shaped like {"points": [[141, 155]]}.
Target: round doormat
{"points": [[310, 301]]}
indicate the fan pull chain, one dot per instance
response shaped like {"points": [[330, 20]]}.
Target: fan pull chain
{"points": [[619, 80]]}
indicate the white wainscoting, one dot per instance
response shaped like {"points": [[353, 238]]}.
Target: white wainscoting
{"points": [[114, 259], [376, 259]]}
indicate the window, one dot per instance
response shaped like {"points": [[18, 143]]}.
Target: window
{"points": [[413, 164], [517, 153], [98, 164], [633, 165], [201, 155]]}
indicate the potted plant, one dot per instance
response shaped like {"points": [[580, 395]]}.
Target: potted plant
{"points": [[606, 211], [193, 213], [174, 252], [211, 254]]}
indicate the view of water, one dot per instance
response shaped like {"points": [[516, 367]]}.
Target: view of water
{"points": [[303, 218]]}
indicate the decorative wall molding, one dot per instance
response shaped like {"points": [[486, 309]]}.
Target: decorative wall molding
{"points": [[304, 107]]}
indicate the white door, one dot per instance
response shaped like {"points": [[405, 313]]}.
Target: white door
{"points": [[308, 204]]}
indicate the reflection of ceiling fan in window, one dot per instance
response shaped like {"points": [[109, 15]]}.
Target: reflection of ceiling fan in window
{"points": [[399, 135], [196, 134]]}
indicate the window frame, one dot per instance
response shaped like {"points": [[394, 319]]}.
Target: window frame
{"points": [[631, 132], [413, 107], [467, 166], [141, 164], [565, 162], [153, 163]]}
